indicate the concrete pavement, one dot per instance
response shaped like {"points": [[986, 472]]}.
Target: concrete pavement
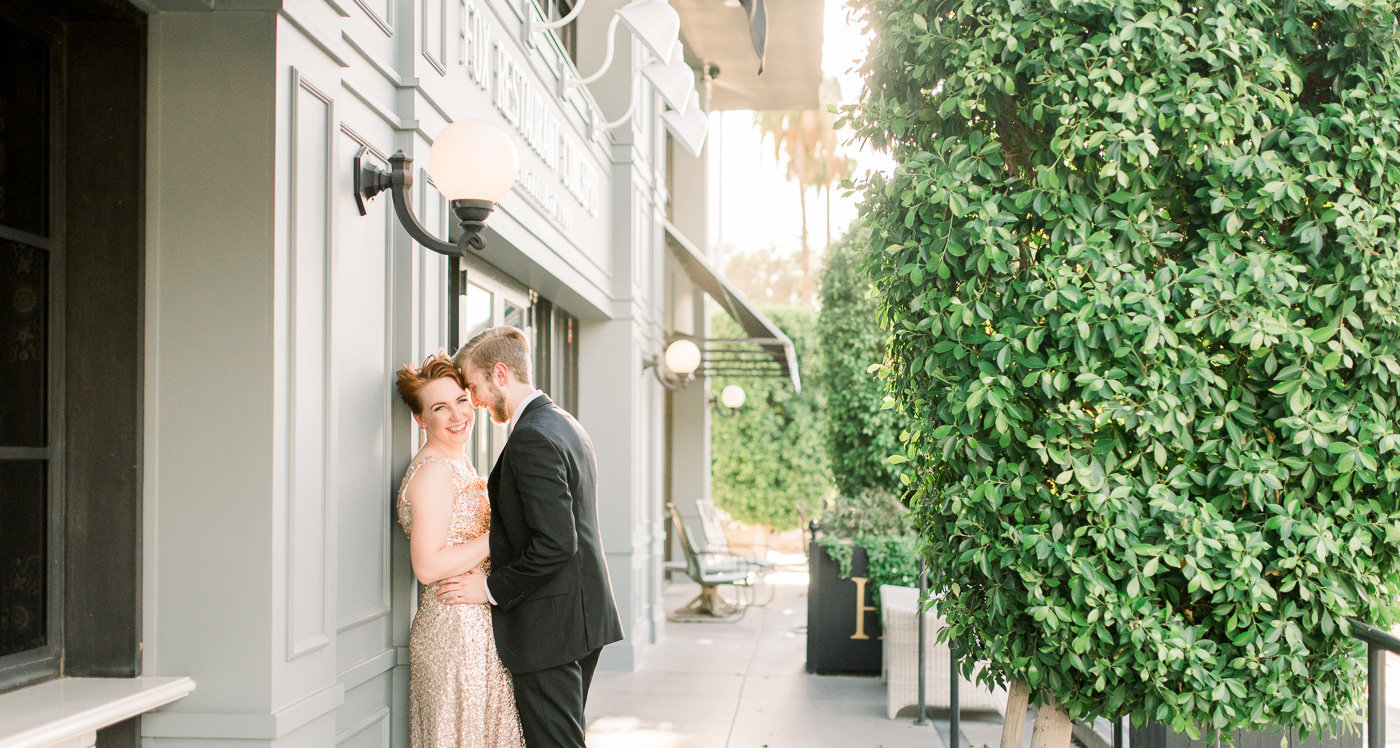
{"points": [[745, 685]]}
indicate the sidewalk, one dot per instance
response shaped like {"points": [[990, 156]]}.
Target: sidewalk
{"points": [[745, 685]]}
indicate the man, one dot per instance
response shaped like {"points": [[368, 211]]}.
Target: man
{"points": [[552, 603]]}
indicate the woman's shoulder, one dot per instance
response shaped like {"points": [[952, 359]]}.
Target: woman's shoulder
{"points": [[426, 473]]}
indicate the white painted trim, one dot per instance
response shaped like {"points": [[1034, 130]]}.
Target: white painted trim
{"points": [[243, 725], [384, 72], [385, 24], [366, 615], [64, 711], [379, 717], [368, 668], [313, 34]]}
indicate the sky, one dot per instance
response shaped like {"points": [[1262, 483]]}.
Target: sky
{"points": [[756, 207]]}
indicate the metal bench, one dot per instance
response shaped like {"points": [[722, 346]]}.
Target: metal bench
{"points": [[710, 570], [711, 536]]}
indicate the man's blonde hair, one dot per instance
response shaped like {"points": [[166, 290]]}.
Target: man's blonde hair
{"points": [[505, 344]]}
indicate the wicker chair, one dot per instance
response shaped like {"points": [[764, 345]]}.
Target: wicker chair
{"points": [[900, 666]]}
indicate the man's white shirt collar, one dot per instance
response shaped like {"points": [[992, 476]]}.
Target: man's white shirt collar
{"points": [[520, 406]]}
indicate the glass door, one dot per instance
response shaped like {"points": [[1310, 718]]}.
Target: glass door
{"points": [[486, 298]]}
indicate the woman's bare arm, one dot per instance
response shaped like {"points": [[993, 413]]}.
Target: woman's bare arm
{"points": [[430, 497]]}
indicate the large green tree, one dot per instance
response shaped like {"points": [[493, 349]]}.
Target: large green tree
{"points": [[1140, 269], [770, 454], [861, 433]]}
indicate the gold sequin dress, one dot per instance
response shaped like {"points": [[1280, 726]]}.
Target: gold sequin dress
{"points": [[459, 693]]}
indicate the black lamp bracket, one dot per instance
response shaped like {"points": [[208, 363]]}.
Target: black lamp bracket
{"points": [[668, 379], [722, 409], [370, 180]]}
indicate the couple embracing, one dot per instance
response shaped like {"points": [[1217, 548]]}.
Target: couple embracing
{"points": [[516, 603]]}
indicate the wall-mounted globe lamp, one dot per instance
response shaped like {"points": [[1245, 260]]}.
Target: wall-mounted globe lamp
{"points": [[472, 162], [732, 398], [675, 368]]}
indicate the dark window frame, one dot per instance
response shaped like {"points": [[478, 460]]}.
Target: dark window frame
{"points": [[44, 663]]}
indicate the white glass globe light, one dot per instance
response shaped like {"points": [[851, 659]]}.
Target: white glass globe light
{"points": [[473, 160], [683, 356], [733, 397]]}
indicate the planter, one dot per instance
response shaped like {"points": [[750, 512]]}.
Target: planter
{"points": [[843, 623], [1159, 736]]}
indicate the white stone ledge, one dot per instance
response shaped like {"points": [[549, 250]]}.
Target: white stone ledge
{"points": [[68, 712]]}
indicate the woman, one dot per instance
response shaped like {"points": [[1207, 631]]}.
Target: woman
{"points": [[459, 693]]}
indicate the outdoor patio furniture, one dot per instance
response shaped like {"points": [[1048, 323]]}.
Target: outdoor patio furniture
{"points": [[711, 536], [711, 571], [899, 608]]}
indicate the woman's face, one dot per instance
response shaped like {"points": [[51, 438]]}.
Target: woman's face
{"points": [[447, 412]]}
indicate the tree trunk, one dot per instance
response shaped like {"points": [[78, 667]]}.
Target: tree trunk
{"points": [[1052, 726], [1017, 698], [806, 250], [828, 217]]}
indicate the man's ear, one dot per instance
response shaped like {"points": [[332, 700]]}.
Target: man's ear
{"points": [[501, 371]]}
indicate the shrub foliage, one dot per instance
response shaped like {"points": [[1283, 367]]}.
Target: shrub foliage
{"points": [[861, 434], [770, 455], [874, 520], [1140, 269]]}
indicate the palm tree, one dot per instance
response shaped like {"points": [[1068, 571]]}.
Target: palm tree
{"points": [[807, 138]]}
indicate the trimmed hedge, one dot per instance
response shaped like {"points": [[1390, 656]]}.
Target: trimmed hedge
{"points": [[770, 455], [1140, 270], [861, 433]]}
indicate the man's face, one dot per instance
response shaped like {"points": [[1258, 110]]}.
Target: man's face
{"points": [[486, 393]]}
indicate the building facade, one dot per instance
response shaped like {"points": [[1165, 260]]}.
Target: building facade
{"points": [[199, 439]]}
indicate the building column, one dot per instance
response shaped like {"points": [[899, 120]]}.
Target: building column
{"points": [[238, 526], [618, 410]]}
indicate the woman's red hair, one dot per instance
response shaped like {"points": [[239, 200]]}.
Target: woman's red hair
{"points": [[411, 381]]}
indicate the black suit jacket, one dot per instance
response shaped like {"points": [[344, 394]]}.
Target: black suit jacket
{"points": [[554, 602]]}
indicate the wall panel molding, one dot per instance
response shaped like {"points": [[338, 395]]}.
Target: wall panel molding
{"points": [[361, 414], [309, 519], [368, 669], [434, 46], [244, 725], [379, 718], [382, 16]]}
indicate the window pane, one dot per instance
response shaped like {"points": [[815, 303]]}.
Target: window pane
{"points": [[23, 573], [24, 131], [514, 316], [24, 287], [475, 311]]}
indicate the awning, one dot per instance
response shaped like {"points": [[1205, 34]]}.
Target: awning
{"points": [[767, 352], [722, 34]]}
